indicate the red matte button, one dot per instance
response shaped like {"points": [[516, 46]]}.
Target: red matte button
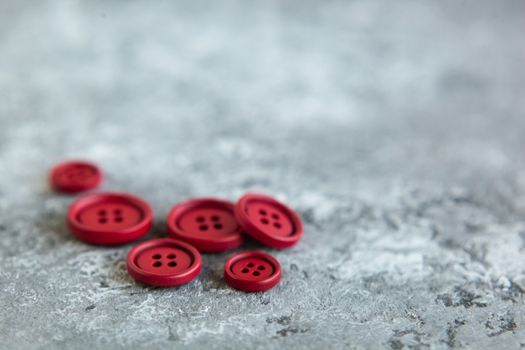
{"points": [[109, 218], [164, 262], [206, 223], [252, 271], [268, 221], [75, 176]]}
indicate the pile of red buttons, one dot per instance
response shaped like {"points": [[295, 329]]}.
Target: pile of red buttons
{"points": [[205, 225]]}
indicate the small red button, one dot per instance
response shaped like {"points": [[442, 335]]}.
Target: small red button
{"points": [[206, 223], [109, 218], [268, 221], [252, 271], [75, 176], [164, 262]]}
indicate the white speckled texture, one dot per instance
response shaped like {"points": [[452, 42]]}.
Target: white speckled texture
{"points": [[395, 128]]}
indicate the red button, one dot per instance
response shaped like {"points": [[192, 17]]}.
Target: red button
{"points": [[109, 218], [164, 262], [206, 223], [75, 176], [252, 271], [268, 221]]}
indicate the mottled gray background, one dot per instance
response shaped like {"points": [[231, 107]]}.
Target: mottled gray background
{"points": [[395, 128]]}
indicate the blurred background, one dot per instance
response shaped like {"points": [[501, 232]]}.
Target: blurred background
{"points": [[396, 129], [368, 86]]}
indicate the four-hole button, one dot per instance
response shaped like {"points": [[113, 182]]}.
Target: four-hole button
{"points": [[109, 218], [252, 271], [268, 221], [164, 262], [207, 223], [75, 176]]}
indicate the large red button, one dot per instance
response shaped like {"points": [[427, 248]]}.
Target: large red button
{"points": [[109, 218], [206, 223], [252, 271], [164, 262], [268, 221], [75, 176]]}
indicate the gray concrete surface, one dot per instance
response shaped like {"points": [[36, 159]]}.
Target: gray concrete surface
{"points": [[395, 128]]}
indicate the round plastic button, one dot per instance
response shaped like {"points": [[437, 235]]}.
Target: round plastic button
{"points": [[75, 176], [164, 262], [206, 223], [252, 271], [268, 221], [109, 218]]}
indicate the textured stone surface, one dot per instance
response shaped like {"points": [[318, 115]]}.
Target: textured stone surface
{"points": [[395, 128]]}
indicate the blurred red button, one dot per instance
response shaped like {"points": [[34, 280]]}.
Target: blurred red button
{"points": [[75, 176], [252, 271], [164, 262], [109, 218], [268, 220], [206, 223]]}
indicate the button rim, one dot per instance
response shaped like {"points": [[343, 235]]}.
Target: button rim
{"points": [[203, 244], [146, 277], [252, 286], [97, 236], [280, 242]]}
